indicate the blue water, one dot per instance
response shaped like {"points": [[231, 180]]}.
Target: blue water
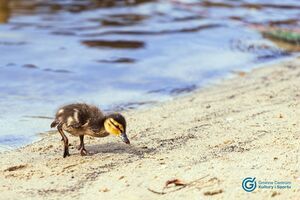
{"points": [[122, 54]]}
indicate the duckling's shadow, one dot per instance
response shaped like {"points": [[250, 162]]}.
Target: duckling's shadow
{"points": [[118, 148]]}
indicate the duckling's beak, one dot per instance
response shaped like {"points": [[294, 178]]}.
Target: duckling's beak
{"points": [[125, 138]]}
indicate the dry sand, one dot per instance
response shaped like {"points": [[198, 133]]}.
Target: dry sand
{"points": [[210, 140]]}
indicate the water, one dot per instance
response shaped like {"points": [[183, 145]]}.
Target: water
{"points": [[122, 54]]}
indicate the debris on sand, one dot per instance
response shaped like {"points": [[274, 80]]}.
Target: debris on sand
{"points": [[176, 182], [14, 168], [275, 194], [104, 189], [179, 184], [211, 193]]}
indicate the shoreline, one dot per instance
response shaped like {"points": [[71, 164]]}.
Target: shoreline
{"points": [[136, 105], [211, 140]]}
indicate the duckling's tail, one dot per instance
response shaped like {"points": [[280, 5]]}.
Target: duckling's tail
{"points": [[54, 123]]}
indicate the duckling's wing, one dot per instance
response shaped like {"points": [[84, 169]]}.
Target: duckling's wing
{"points": [[75, 115]]}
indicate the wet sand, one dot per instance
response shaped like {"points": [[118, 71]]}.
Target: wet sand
{"points": [[210, 140]]}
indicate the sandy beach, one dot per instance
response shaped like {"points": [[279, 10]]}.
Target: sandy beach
{"points": [[245, 126]]}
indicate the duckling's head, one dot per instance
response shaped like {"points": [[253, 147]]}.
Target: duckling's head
{"points": [[115, 124]]}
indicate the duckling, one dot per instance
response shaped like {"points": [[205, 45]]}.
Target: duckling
{"points": [[82, 119]]}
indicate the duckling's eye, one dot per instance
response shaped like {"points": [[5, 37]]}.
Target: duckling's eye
{"points": [[119, 127]]}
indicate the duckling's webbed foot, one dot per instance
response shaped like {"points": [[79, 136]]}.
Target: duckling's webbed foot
{"points": [[66, 153], [65, 139], [81, 147], [83, 152]]}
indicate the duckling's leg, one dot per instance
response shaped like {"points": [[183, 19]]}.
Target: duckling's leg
{"points": [[81, 137], [83, 151], [54, 124], [65, 139]]}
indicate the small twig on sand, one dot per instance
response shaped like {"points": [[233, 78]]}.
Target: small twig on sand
{"points": [[177, 183], [156, 192]]}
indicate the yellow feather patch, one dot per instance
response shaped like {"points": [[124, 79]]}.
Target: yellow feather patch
{"points": [[116, 124], [110, 126]]}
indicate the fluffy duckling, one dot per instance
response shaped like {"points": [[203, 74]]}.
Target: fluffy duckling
{"points": [[82, 119]]}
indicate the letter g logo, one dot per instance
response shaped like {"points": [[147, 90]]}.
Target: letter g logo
{"points": [[249, 184]]}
